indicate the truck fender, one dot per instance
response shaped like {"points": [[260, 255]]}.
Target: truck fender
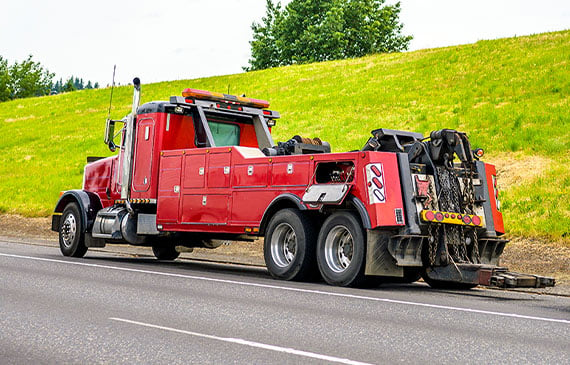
{"points": [[361, 209], [286, 200], [89, 204]]}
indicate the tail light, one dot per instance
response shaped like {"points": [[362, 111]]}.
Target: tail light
{"points": [[376, 183], [435, 216]]}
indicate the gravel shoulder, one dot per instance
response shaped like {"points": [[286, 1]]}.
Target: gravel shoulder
{"points": [[528, 255]]}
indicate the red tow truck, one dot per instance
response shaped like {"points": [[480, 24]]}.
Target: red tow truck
{"points": [[202, 168]]}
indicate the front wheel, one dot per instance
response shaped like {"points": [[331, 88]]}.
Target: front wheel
{"points": [[165, 252], [289, 246], [341, 250], [71, 235]]}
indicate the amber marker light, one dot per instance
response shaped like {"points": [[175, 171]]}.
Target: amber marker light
{"points": [[479, 152]]}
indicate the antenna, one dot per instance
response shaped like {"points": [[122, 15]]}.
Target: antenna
{"points": [[112, 86]]}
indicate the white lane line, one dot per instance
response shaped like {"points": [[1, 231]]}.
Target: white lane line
{"points": [[243, 342], [299, 290]]}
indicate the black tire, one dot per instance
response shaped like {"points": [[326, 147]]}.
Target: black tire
{"points": [[411, 275], [341, 250], [289, 246], [165, 251], [441, 284], [71, 235]]}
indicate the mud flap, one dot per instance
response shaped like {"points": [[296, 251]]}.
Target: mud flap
{"points": [[91, 241], [379, 261]]}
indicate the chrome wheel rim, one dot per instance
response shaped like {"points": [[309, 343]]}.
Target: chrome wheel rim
{"points": [[339, 249], [68, 230], [283, 245]]}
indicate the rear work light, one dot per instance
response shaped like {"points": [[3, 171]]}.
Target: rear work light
{"points": [[451, 218], [209, 95]]}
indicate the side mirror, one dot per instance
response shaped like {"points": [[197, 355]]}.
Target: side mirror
{"points": [[109, 131], [110, 134], [112, 146]]}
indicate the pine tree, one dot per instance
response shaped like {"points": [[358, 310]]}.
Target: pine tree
{"points": [[69, 85]]}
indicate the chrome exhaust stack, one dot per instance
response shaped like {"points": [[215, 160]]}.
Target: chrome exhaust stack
{"points": [[127, 170]]}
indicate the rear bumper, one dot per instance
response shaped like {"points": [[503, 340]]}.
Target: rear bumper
{"points": [[487, 275]]}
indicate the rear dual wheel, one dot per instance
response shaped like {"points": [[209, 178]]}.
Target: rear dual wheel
{"points": [[341, 250], [289, 246]]}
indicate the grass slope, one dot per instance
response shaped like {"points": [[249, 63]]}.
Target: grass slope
{"points": [[510, 96]]}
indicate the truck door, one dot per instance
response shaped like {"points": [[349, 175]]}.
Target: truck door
{"points": [[142, 171]]}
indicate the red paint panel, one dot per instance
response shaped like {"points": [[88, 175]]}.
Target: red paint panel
{"points": [[168, 193], [115, 183], [219, 170], [194, 171], [290, 174], [97, 179], [382, 214], [491, 171], [210, 209], [177, 132], [243, 178], [247, 136], [248, 206]]}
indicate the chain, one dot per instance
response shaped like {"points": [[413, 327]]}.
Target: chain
{"points": [[469, 203], [433, 229], [451, 192], [433, 238]]}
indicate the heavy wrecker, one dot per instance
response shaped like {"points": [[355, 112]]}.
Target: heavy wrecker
{"points": [[202, 168]]}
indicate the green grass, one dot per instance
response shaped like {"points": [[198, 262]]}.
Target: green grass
{"points": [[510, 95]]}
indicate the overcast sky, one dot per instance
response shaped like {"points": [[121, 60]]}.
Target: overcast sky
{"points": [[183, 39]]}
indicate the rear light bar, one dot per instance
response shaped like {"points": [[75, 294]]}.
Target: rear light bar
{"points": [[436, 216], [209, 95]]}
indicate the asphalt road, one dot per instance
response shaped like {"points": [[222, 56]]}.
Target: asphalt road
{"points": [[109, 308]]}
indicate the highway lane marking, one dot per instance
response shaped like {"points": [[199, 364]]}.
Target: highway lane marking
{"points": [[240, 341], [299, 290]]}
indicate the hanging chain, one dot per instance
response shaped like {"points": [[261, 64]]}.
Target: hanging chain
{"points": [[451, 199], [469, 203], [433, 229]]}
